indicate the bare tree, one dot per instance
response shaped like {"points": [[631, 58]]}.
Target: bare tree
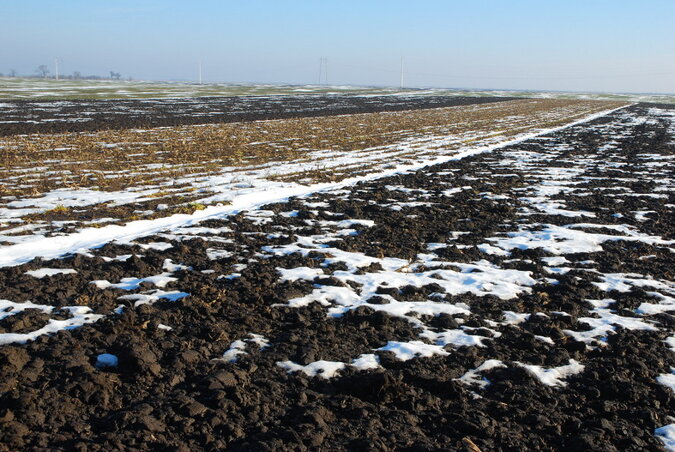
{"points": [[12, 73], [42, 70], [115, 75], [77, 75]]}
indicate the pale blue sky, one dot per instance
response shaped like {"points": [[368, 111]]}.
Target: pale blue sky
{"points": [[590, 45]]}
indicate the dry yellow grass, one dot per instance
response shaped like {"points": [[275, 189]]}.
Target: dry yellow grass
{"points": [[114, 160], [158, 158]]}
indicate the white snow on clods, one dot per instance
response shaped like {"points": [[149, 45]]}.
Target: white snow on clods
{"points": [[8, 308], [473, 377], [667, 435], [568, 239], [606, 323], [42, 272], [553, 376], [366, 361], [133, 283], [153, 296], [323, 369], [79, 315], [405, 351], [667, 380], [330, 369], [238, 347], [305, 273]]}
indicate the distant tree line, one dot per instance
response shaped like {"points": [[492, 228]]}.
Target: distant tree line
{"points": [[42, 71]]}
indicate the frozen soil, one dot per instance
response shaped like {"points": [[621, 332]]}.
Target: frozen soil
{"points": [[515, 300], [27, 116]]}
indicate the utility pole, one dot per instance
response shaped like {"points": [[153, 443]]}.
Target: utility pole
{"points": [[401, 79], [320, 69], [200, 72], [326, 70], [56, 72]]}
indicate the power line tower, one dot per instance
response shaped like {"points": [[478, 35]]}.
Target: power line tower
{"points": [[401, 78], [323, 71]]}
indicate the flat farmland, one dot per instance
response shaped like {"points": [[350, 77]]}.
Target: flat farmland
{"points": [[479, 276], [55, 183]]}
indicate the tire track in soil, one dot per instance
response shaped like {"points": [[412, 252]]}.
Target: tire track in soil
{"points": [[603, 187]]}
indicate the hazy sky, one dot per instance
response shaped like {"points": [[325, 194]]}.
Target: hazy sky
{"points": [[582, 45]]}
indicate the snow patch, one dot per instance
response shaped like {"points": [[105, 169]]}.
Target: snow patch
{"points": [[405, 351], [324, 369], [42, 272], [472, 377], [553, 376]]}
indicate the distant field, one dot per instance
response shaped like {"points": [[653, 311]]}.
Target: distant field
{"points": [[26, 88], [126, 175]]}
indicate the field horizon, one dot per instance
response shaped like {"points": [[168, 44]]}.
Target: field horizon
{"points": [[33, 88]]}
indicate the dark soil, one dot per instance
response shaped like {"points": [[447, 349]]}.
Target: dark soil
{"points": [[27, 116], [171, 392]]}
